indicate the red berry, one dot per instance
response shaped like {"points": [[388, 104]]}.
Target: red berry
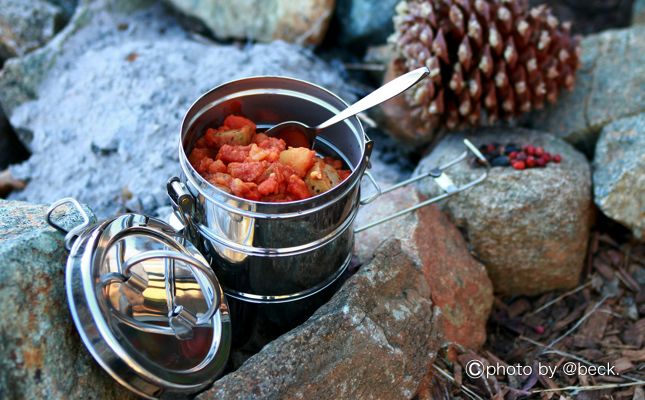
{"points": [[521, 156], [539, 151], [557, 158], [530, 150], [513, 155], [490, 148], [539, 329], [530, 161], [519, 165], [540, 162]]}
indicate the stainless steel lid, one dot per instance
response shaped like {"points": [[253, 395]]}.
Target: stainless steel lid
{"points": [[146, 303]]}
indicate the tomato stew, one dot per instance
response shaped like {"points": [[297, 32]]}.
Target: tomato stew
{"points": [[251, 165]]}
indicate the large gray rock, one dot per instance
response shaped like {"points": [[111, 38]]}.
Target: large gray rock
{"points": [[529, 228], [609, 85], [26, 25], [41, 355], [302, 22], [118, 79], [376, 338], [619, 173], [364, 22]]}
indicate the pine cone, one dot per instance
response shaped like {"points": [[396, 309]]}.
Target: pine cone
{"points": [[488, 59]]}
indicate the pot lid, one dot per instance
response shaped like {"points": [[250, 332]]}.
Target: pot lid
{"points": [[146, 303]]}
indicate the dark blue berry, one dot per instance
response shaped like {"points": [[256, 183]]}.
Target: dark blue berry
{"points": [[500, 161]]}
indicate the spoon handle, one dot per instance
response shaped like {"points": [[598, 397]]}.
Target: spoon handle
{"points": [[385, 92]]}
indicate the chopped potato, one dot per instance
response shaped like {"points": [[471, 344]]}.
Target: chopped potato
{"points": [[321, 177], [301, 159]]}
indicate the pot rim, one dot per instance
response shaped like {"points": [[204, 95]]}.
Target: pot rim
{"points": [[300, 207]]}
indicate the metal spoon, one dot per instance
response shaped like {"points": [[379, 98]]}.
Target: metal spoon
{"points": [[297, 134]]}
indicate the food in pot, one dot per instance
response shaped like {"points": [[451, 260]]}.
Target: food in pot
{"points": [[254, 166]]}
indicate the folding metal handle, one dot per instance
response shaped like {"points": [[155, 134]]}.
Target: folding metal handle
{"points": [[438, 175], [181, 321], [377, 189], [183, 204], [88, 219]]}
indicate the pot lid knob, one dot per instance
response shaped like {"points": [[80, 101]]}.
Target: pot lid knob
{"points": [[181, 321]]}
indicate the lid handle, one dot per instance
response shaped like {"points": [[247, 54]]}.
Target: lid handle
{"points": [[70, 235], [181, 321]]}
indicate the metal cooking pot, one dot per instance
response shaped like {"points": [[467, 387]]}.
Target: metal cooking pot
{"points": [[281, 252]]}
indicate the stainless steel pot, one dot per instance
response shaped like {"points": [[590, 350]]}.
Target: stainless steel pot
{"points": [[281, 252]]}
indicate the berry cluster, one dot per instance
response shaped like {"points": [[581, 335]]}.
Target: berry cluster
{"points": [[527, 156]]}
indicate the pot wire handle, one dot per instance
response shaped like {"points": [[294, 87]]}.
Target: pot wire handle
{"points": [[70, 235], [440, 178], [376, 186]]}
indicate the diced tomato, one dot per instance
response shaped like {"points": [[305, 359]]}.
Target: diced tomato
{"points": [[271, 185], [259, 138], [237, 122], [273, 144], [229, 153], [247, 171], [197, 155], [209, 166], [221, 179], [247, 190], [258, 153], [298, 188]]}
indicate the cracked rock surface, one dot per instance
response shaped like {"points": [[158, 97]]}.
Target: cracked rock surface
{"points": [[619, 173], [460, 285], [610, 85]]}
